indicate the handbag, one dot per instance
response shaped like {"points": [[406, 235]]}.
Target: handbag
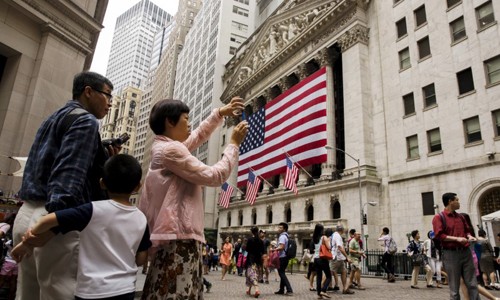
{"points": [[274, 260], [417, 259], [324, 252]]}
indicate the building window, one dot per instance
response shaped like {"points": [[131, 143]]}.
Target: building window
{"points": [[484, 14], [424, 48], [336, 210], [465, 81], [310, 213], [452, 3], [412, 146], [243, 1], [289, 215], [229, 220], [270, 217], [401, 28], [429, 94], [409, 104], [428, 203], [457, 29], [492, 67], [434, 139], [496, 122], [472, 130], [232, 50], [240, 11], [239, 26], [241, 219], [404, 59], [254, 218], [420, 17]]}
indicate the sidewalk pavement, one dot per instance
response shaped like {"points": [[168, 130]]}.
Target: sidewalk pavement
{"points": [[376, 289]]}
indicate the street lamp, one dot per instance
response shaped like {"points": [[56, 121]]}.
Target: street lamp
{"points": [[372, 203], [359, 185]]}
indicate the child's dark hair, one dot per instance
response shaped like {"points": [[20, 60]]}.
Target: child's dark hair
{"points": [[414, 233], [122, 174]]}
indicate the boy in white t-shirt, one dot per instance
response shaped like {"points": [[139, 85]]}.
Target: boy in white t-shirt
{"points": [[114, 236]]}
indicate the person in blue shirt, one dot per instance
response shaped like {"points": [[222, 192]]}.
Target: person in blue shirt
{"points": [[282, 247], [114, 236], [62, 171]]}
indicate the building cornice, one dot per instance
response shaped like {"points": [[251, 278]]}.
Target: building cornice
{"points": [[287, 32]]}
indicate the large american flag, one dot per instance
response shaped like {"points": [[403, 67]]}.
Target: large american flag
{"points": [[294, 122], [225, 195], [291, 176], [253, 185]]}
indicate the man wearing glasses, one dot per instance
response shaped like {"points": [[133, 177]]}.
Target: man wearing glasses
{"points": [[63, 170]]}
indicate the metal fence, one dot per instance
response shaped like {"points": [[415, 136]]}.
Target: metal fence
{"points": [[372, 265]]}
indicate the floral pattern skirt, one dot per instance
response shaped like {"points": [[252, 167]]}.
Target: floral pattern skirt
{"points": [[251, 276], [175, 272]]}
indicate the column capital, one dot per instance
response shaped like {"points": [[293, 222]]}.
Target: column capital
{"points": [[357, 34]]}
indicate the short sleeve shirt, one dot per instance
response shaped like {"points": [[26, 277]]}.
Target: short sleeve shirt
{"points": [[283, 239], [336, 243]]}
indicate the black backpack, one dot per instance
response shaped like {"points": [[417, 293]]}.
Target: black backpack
{"points": [[291, 252]]}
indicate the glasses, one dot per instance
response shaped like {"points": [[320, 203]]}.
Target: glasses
{"points": [[108, 95]]}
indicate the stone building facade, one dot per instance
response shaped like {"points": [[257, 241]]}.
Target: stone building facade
{"points": [[412, 96], [43, 44]]}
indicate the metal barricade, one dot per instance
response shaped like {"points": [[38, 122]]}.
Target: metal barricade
{"points": [[403, 268]]}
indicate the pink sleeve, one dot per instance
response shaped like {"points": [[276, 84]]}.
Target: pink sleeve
{"points": [[203, 132], [179, 160]]}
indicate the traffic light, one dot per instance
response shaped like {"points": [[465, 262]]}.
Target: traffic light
{"points": [[364, 219]]}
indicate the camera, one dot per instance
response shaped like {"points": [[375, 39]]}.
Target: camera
{"points": [[122, 139]]}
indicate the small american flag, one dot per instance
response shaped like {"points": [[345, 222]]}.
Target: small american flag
{"points": [[253, 185], [291, 176], [225, 195]]}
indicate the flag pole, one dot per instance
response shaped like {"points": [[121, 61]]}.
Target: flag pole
{"points": [[265, 181], [288, 155], [235, 187]]}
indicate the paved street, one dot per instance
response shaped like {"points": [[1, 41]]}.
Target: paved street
{"points": [[376, 289]]}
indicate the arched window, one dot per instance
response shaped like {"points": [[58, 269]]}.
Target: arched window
{"points": [[489, 202], [254, 218], [336, 210], [289, 215], [229, 220], [310, 213], [270, 217]]}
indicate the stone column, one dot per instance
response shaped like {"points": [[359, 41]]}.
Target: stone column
{"points": [[357, 95], [325, 61]]}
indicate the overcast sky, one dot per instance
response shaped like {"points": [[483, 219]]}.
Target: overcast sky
{"points": [[115, 9]]}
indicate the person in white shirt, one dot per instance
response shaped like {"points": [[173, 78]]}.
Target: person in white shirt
{"points": [[339, 258]]}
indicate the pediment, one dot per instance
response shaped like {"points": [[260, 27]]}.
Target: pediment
{"points": [[282, 34]]}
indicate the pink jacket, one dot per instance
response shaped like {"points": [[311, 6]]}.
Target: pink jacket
{"points": [[171, 196]]}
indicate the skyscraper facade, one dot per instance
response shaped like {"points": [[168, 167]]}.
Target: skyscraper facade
{"points": [[132, 44]]}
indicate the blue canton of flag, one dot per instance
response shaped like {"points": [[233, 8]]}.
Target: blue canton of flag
{"points": [[255, 135]]}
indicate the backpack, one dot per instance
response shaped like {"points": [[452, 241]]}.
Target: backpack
{"points": [[291, 252], [392, 247]]}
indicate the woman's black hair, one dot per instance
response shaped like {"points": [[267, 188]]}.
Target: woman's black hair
{"points": [[318, 232], [163, 110]]}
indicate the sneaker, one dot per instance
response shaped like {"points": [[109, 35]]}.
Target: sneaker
{"points": [[330, 289], [279, 293], [414, 287], [336, 288], [289, 294], [348, 292], [209, 286]]}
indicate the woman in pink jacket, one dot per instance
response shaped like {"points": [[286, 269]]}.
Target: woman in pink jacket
{"points": [[171, 195]]}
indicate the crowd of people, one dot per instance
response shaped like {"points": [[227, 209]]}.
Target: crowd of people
{"points": [[70, 245]]}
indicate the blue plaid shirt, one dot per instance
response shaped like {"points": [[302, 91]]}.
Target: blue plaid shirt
{"points": [[58, 172]]}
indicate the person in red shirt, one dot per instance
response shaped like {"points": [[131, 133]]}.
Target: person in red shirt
{"points": [[455, 235]]}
